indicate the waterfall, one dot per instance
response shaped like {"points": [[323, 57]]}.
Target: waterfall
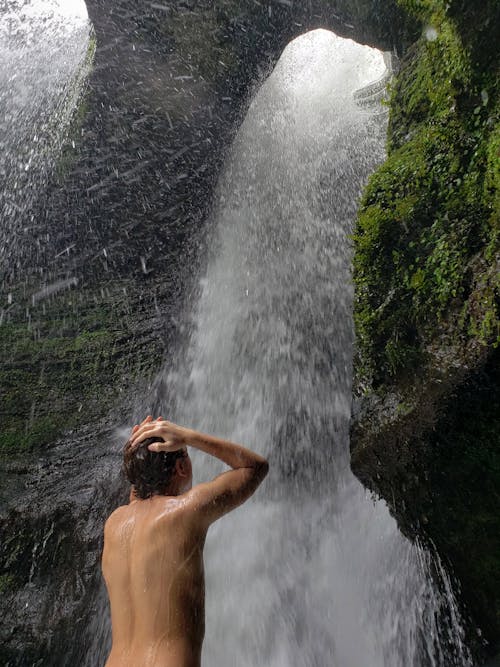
{"points": [[44, 50], [312, 571]]}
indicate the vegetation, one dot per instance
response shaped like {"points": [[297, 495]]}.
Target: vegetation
{"points": [[427, 240], [67, 363], [6, 582], [427, 308]]}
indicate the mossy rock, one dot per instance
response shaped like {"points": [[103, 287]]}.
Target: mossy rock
{"points": [[427, 304], [430, 213], [66, 365]]}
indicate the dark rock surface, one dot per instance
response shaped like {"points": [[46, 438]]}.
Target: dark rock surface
{"points": [[123, 220], [426, 435]]}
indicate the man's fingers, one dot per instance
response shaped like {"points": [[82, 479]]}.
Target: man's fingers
{"points": [[161, 446], [144, 432], [147, 427], [144, 421], [139, 437]]}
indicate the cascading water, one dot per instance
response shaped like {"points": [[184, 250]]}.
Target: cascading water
{"points": [[312, 571], [44, 50]]}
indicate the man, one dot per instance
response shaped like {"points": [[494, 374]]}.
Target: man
{"points": [[153, 547]]}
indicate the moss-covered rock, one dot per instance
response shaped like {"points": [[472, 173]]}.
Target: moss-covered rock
{"points": [[67, 364], [427, 310], [427, 235]]}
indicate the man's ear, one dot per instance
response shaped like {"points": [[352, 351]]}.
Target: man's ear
{"points": [[181, 468]]}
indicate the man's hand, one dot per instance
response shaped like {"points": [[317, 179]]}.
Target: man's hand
{"points": [[128, 447], [174, 437], [224, 493]]}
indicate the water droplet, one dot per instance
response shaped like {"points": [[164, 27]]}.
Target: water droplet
{"points": [[431, 34]]}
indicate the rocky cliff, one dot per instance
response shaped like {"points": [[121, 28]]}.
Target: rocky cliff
{"points": [[95, 295], [426, 435]]}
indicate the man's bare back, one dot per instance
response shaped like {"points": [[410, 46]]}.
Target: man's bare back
{"points": [[153, 568], [153, 553]]}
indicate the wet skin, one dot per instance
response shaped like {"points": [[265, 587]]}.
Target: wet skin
{"points": [[153, 568], [153, 551]]}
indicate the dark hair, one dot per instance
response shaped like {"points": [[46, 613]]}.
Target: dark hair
{"points": [[149, 472]]}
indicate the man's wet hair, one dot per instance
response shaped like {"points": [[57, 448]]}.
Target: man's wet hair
{"points": [[149, 472]]}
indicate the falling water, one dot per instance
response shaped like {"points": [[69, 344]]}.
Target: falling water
{"points": [[45, 56], [312, 571]]}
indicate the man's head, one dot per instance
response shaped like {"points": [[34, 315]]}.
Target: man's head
{"points": [[156, 473]]}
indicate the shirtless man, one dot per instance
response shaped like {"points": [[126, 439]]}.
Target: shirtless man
{"points": [[153, 547]]}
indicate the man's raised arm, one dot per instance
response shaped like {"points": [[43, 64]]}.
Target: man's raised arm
{"points": [[231, 489], [227, 491]]}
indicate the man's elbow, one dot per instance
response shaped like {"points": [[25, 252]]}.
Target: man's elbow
{"points": [[261, 469]]}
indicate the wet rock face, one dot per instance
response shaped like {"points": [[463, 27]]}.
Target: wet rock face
{"points": [[426, 433], [49, 545], [436, 463], [50, 550]]}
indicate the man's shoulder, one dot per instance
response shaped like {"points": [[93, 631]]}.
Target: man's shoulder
{"points": [[161, 508], [116, 517], [172, 508]]}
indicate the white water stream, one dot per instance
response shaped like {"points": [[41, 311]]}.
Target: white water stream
{"points": [[45, 63], [311, 572]]}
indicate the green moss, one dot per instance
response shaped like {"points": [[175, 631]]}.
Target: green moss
{"points": [[6, 582], [430, 213], [203, 38], [70, 360], [492, 183]]}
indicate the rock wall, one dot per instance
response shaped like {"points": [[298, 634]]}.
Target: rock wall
{"points": [[426, 435], [122, 222]]}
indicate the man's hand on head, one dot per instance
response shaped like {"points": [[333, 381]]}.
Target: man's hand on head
{"points": [[130, 443], [148, 419], [174, 437]]}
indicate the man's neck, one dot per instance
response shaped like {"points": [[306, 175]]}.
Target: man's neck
{"points": [[170, 492]]}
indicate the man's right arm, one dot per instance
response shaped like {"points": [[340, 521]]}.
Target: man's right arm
{"points": [[231, 489], [227, 491]]}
